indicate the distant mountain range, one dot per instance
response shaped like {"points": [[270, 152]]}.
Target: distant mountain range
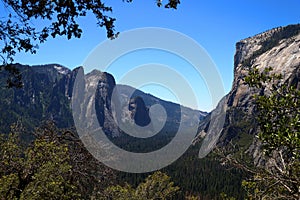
{"points": [[47, 94]]}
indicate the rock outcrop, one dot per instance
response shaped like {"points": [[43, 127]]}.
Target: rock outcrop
{"points": [[47, 95], [278, 48], [139, 111]]}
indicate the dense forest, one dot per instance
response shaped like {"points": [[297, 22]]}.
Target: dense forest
{"points": [[206, 178]]}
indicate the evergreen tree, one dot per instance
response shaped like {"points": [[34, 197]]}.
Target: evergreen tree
{"points": [[156, 186]]}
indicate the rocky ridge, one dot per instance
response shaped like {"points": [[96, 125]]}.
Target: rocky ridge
{"points": [[278, 48], [47, 95]]}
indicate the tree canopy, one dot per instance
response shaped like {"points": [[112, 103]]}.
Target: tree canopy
{"points": [[156, 186], [42, 172], [59, 18], [278, 108], [55, 165]]}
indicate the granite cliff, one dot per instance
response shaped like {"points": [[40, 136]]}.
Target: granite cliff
{"points": [[278, 48], [47, 92]]}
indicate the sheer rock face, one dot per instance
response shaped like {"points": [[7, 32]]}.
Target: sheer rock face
{"points": [[283, 57], [278, 48], [136, 106], [139, 111], [48, 91], [106, 105]]}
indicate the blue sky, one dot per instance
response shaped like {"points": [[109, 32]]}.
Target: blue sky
{"points": [[215, 25]]}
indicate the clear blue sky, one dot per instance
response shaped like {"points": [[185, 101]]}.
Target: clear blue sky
{"points": [[216, 25]]}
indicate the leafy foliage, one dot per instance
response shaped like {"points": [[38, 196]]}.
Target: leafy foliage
{"points": [[156, 186], [42, 172], [278, 107], [55, 166], [279, 114], [59, 18]]}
